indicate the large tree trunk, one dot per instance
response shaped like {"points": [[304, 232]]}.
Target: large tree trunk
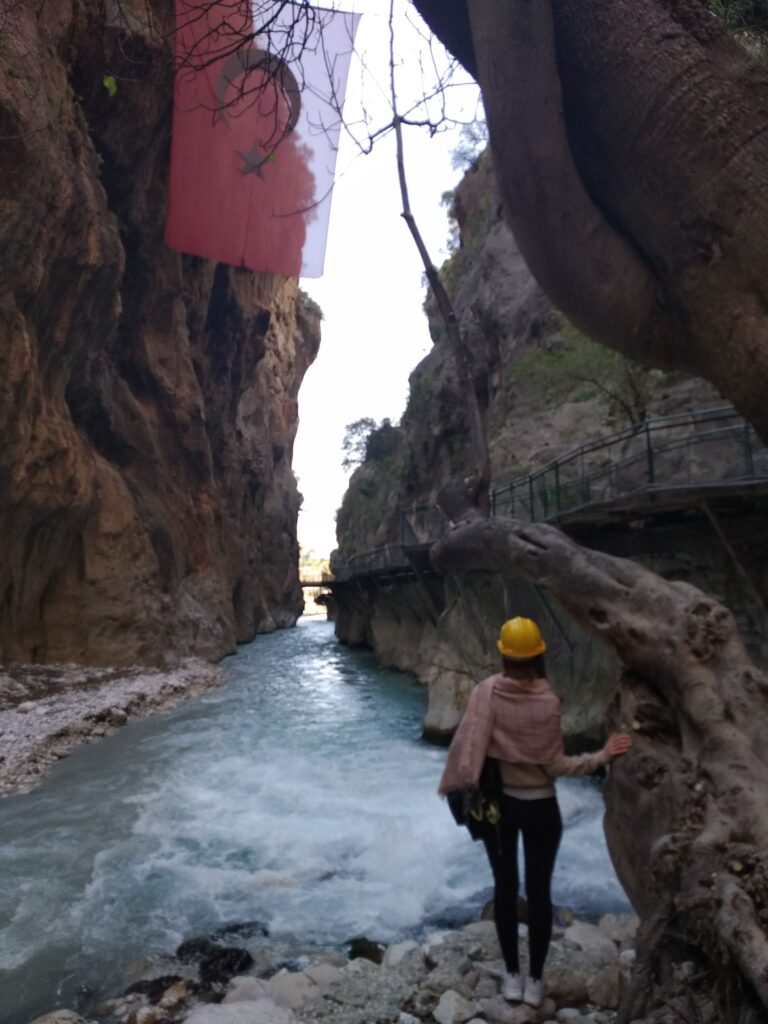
{"points": [[630, 144], [686, 808]]}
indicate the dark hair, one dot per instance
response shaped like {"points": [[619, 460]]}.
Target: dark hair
{"points": [[529, 668]]}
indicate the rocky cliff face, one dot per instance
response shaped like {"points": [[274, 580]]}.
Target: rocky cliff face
{"points": [[147, 399], [545, 390]]}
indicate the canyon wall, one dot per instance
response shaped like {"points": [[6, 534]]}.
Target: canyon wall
{"points": [[544, 389], [148, 400], [444, 630]]}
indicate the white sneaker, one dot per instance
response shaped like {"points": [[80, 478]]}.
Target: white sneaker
{"points": [[534, 992], [512, 988]]}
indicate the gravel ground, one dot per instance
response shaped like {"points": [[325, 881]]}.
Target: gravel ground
{"points": [[45, 712]]}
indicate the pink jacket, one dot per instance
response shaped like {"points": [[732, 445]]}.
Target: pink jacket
{"points": [[513, 721]]}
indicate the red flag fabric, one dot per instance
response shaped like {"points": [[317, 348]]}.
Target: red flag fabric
{"points": [[255, 132]]}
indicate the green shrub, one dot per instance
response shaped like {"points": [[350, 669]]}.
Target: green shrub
{"points": [[576, 369]]}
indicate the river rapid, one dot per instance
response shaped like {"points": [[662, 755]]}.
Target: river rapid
{"points": [[299, 795]]}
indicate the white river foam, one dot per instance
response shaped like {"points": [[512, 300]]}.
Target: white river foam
{"points": [[299, 795]]}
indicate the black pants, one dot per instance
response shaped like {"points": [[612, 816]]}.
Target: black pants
{"points": [[541, 827]]}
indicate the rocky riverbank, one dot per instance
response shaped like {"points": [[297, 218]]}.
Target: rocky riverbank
{"points": [[46, 711], [453, 977]]}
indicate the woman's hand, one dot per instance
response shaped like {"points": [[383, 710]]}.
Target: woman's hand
{"points": [[617, 744]]}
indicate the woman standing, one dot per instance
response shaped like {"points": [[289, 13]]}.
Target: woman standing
{"points": [[514, 717]]}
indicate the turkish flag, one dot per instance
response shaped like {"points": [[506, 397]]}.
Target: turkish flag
{"points": [[252, 149]]}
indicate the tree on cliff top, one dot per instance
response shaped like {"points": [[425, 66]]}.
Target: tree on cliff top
{"points": [[366, 440], [353, 446], [631, 146]]}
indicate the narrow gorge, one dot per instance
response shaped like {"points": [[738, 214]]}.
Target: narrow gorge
{"points": [[626, 516], [548, 390], [226, 861], [148, 400]]}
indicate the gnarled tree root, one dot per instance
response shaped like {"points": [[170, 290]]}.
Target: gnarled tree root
{"points": [[687, 808]]}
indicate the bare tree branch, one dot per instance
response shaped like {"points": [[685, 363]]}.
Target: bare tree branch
{"points": [[478, 436]]}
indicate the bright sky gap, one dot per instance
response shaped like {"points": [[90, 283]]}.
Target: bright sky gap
{"points": [[372, 292]]}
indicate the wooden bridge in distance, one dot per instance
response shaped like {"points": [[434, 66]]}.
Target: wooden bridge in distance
{"points": [[318, 593]]}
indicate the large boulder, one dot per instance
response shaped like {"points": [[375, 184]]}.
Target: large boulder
{"points": [[263, 1011], [60, 1017], [590, 939], [452, 1008]]}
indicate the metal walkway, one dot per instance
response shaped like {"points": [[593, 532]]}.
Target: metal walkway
{"points": [[669, 462]]}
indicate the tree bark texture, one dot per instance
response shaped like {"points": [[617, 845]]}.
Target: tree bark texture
{"points": [[686, 813], [630, 144]]}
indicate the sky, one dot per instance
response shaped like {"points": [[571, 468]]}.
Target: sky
{"points": [[374, 331]]}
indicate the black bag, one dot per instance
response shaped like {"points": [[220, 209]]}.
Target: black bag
{"points": [[478, 807]]}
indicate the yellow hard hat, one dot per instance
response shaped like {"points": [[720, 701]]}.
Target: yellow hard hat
{"points": [[520, 638]]}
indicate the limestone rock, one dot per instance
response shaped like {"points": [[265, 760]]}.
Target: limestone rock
{"points": [[547, 1008], [117, 717], [361, 967], [396, 953], [59, 1017], [486, 988], [422, 1002], [437, 939], [499, 1011], [570, 1015], [604, 988], [325, 976], [481, 929], [566, 986], [244, 989], [591, 939], [452, 1008], [292, 989], [621, 928], [495, 968], [453, 970], [262, 1012]]}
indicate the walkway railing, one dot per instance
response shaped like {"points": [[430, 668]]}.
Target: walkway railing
{"points": [[323, 580], [711, 446], [369, 562], [687, 451]]}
